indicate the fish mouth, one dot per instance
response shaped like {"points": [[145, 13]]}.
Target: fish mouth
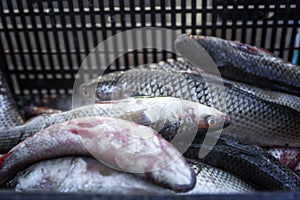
{"points": [[226, 120]]}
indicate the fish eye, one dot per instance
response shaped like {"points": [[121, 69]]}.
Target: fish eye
{"points": [[211, 121]]}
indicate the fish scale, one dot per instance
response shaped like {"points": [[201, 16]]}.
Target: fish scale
{"points": [[180, 65], [248, 64], [254, 120], [251, 163], [9, 113], [72, 174], [97, 136], [140, 110]]}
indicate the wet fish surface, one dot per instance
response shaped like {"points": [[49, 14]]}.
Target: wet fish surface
{"points": [[182, 66], [82, 174], [253, 119], [211, 180], [9, 112], [250, 163], [118, 143], [249, 64], [166, 115]]}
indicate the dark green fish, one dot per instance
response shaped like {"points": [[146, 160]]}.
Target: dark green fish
{"points": [[248, 64], [250, 163], [253, 119]]}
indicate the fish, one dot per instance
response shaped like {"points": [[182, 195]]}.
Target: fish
{"points": [[252, 119], [167, 115], [117, 143], [81, 175], [9, 113], [212, 180], [250, 163], [248, 64], [180, 65], [88, 175]]}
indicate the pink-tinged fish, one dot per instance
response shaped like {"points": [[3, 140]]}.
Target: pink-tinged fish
{"points": [[120, 144]]}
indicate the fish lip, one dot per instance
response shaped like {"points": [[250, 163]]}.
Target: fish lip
{"points": [[226, 120]]}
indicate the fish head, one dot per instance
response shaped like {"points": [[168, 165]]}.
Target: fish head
{"points": [[106, 88], [207, 118]]}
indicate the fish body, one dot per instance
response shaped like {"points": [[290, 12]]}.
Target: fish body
{"points": [[9, 113], [250, 163], [248, 64], [120, 144], [83, 174], [182, 66], [253, 119], [162, 114]]}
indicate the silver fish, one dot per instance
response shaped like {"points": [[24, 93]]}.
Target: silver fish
{"points": [[158, 113], [253, 119], [82, 174], [182, 66], [121, 144]]}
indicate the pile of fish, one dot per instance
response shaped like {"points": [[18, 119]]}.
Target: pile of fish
{"points": [[148, 126]]}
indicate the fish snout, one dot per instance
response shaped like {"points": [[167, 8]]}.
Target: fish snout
{"points": [[226, 120]]}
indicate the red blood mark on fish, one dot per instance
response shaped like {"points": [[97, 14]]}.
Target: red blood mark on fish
{"points": [[74, 131]]}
